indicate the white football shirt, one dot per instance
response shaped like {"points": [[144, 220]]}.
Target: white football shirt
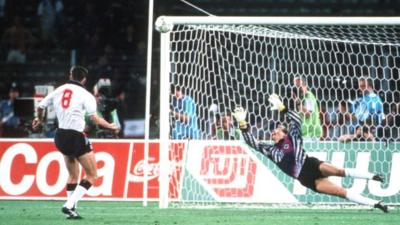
{"points": [[71, 101]]}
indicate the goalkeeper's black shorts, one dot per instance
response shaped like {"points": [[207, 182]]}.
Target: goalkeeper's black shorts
{"points": [[72, 143], [310, 172]]}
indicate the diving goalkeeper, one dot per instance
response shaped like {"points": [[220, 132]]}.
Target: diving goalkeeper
{"points": [[288, 154]]}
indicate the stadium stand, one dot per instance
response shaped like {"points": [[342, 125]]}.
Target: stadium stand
{"points": [[109, 37]]}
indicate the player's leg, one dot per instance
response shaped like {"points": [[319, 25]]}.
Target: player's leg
{"points": [[73, 170], [325, 186], [65, 141], [331, 170], [88, 163]]}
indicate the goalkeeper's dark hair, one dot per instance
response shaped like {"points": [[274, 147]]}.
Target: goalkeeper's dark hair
{"points": [[78, 73]]}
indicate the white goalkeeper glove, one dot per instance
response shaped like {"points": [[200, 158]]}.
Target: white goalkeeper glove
{"points": [[276, 102], [240, 116]]}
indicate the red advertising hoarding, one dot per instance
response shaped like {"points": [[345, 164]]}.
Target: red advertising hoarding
{"points": [[31, 169]]}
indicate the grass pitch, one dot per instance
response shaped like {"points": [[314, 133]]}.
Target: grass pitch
{"points": [[49, 213]]}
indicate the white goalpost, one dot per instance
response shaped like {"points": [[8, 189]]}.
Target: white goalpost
{"points": [[223, 62]]}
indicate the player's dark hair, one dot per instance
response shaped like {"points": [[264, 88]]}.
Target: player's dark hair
{"points": [[78, 73], [368, 80], [177, 88]]}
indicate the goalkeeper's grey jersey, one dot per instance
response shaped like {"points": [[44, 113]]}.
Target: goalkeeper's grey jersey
{"points": [[288, 154]]}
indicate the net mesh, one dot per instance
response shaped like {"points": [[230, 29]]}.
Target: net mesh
{"points": [[223, 66], [239, 65]]}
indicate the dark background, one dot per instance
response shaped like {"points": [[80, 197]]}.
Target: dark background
{"points": [[97, 30]]}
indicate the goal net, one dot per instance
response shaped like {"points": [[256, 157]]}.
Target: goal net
{"points": [[350, 69]]}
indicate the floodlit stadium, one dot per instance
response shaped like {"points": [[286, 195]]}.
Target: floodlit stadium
{"points": [[200, 112]]}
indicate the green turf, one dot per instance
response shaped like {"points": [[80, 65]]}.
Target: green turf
{"points": [[48, 213]]}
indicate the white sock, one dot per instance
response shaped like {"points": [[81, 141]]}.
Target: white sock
{"points": [[79, 192], [349, 172], [69, 193], [357, 198]]}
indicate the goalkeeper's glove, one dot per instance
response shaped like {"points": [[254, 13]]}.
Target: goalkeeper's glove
{"points": [[240, 117], [276, 102]]}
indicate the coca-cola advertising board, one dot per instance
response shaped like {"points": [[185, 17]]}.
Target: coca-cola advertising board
{"points": [[34, 169], [198, 171]]}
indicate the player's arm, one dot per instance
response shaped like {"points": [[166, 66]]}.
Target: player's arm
{"points": [[102, 122], [91, 109], [347, 137], [181, 117], [294, 123], [306, 108], [294, 118], [189, 110], [44, 103], [378, 114], [37, 121], [354, 109], [240, 116], [115, 120]]}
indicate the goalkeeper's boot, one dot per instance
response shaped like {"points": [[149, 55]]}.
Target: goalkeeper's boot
{"points": [[71, 213], [381, 206], [378, 177]]}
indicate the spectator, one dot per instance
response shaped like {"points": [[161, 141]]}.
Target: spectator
{"points": [[308, 108], [16, 39], [213, 121], [342, 113], [10, 125], [48, 11], [184, 114], [106, 109], [335, 121], [92, 20], [2, 13], [121, 109], [392, 123], [368, 109], [105, 61], [129, 39], [360, 134], [226, 130], [60, 19]]}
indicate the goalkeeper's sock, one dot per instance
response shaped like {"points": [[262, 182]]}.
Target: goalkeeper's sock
{"points": [[79, 192], [357, 198], [349, 172], [70, 190]]}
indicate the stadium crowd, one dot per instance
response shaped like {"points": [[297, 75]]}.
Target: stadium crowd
{"points": [[40, 40]]}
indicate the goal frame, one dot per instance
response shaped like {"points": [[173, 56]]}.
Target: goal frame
{"points": [[212, 20]]}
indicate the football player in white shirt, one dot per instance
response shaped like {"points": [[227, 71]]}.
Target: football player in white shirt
{"points": [[71, 101]]}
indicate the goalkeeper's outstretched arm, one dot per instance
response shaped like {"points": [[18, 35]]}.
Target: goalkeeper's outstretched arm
{"points": [[240, 116], [294, 119], [294, 124]]}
